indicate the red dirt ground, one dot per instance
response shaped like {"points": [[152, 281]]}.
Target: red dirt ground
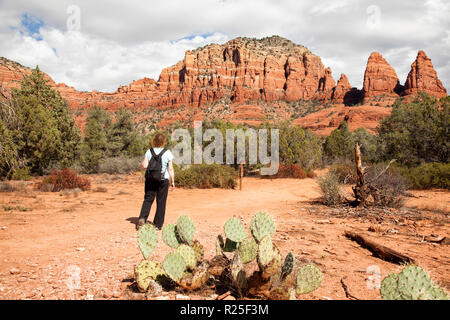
{"points": [[95, 232]]}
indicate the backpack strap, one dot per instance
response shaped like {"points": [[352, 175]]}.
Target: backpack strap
{"points": [[154, 155]]}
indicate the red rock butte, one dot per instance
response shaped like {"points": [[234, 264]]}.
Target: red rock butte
{"points": [[246, 71]]}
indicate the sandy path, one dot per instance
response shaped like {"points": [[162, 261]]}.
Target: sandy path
{"points": [[91, 236]]}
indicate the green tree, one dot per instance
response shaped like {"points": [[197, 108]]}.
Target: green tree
{"points": [[36, 85], [9, 160], [95, 145], [369, 144], [417, 132], [339, 145], [299, 146]]}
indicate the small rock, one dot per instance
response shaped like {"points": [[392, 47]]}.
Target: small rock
{"points": [[230, 298], [182, 297], [14, 271], [162, 298], [4, 228], [81, 249], [117, 295], [107, 294]]}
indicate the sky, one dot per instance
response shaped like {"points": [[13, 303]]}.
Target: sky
{"points": [[103, 44]]}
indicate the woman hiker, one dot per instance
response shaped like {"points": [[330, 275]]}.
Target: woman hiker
{"points": [[159, 170]]}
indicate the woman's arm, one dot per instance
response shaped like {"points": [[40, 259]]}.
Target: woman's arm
{"points": [[172, 174], [145, 163]]}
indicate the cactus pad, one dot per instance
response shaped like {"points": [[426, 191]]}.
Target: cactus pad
{"points": [[288, 265], [248, 250], [265, 251], [188, 255], [174, 266], [262, 225], [234, 230], [185, 229], [199, 251], [146, 272], [309, 278], [230, 246], [147, 239], [196, 279], [274, 266], [413, 283], [169, 236], [389, 288]]}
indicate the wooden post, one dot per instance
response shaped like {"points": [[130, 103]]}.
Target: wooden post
{"points": [[241, 174]]}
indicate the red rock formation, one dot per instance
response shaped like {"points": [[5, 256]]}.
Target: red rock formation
{"points": [[342, 88], [380, 78], [423, 77]]}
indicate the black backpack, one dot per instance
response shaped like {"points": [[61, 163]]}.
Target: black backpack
{"points": [[154, 169]]}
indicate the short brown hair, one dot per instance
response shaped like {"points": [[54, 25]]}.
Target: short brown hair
{"points": [[159, 140]]}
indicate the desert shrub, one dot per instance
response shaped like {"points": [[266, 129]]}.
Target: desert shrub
{"points": [[63, 179], [101, 189], [388, 187], [345, 172], [6, 186], [204, 176], [290, 171], [428, 175], [21, 174], [330, 188], [118, 165]]}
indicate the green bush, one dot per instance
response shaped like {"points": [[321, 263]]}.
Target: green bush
{"points": [[204, 176], [428, 176], [417, 131], [330, 188]]}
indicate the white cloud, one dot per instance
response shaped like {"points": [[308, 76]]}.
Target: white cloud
{"points": [[122, 41]]}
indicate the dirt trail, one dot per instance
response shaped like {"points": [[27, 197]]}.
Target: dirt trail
{"points": [[89, 238]]}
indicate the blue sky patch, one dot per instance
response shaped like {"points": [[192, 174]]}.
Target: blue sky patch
{"points": [[31, 25]]}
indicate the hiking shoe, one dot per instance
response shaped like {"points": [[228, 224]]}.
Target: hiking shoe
{"points": [[140, 223]]}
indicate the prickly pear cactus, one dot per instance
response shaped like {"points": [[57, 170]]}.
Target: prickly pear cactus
{"points": [[188, 254], [147, 239], [262, 225], [169, 236], [147, 271], [413, 283], [196, 279], [288, 265], [265, 252], [274, 266], [199, 251], [248, 250], [219, 246], [185, 229], [174, 266], [309, 278], [389, 288], [234, 230]]}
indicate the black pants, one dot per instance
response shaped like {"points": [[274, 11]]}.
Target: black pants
{"points": [[159, 191]]}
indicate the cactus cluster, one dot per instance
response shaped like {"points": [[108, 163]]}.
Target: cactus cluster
{"points": [[412, 283], [241, 250], [236, 256]]}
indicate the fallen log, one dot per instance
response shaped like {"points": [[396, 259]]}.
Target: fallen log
{"points": [[378, 250]]}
